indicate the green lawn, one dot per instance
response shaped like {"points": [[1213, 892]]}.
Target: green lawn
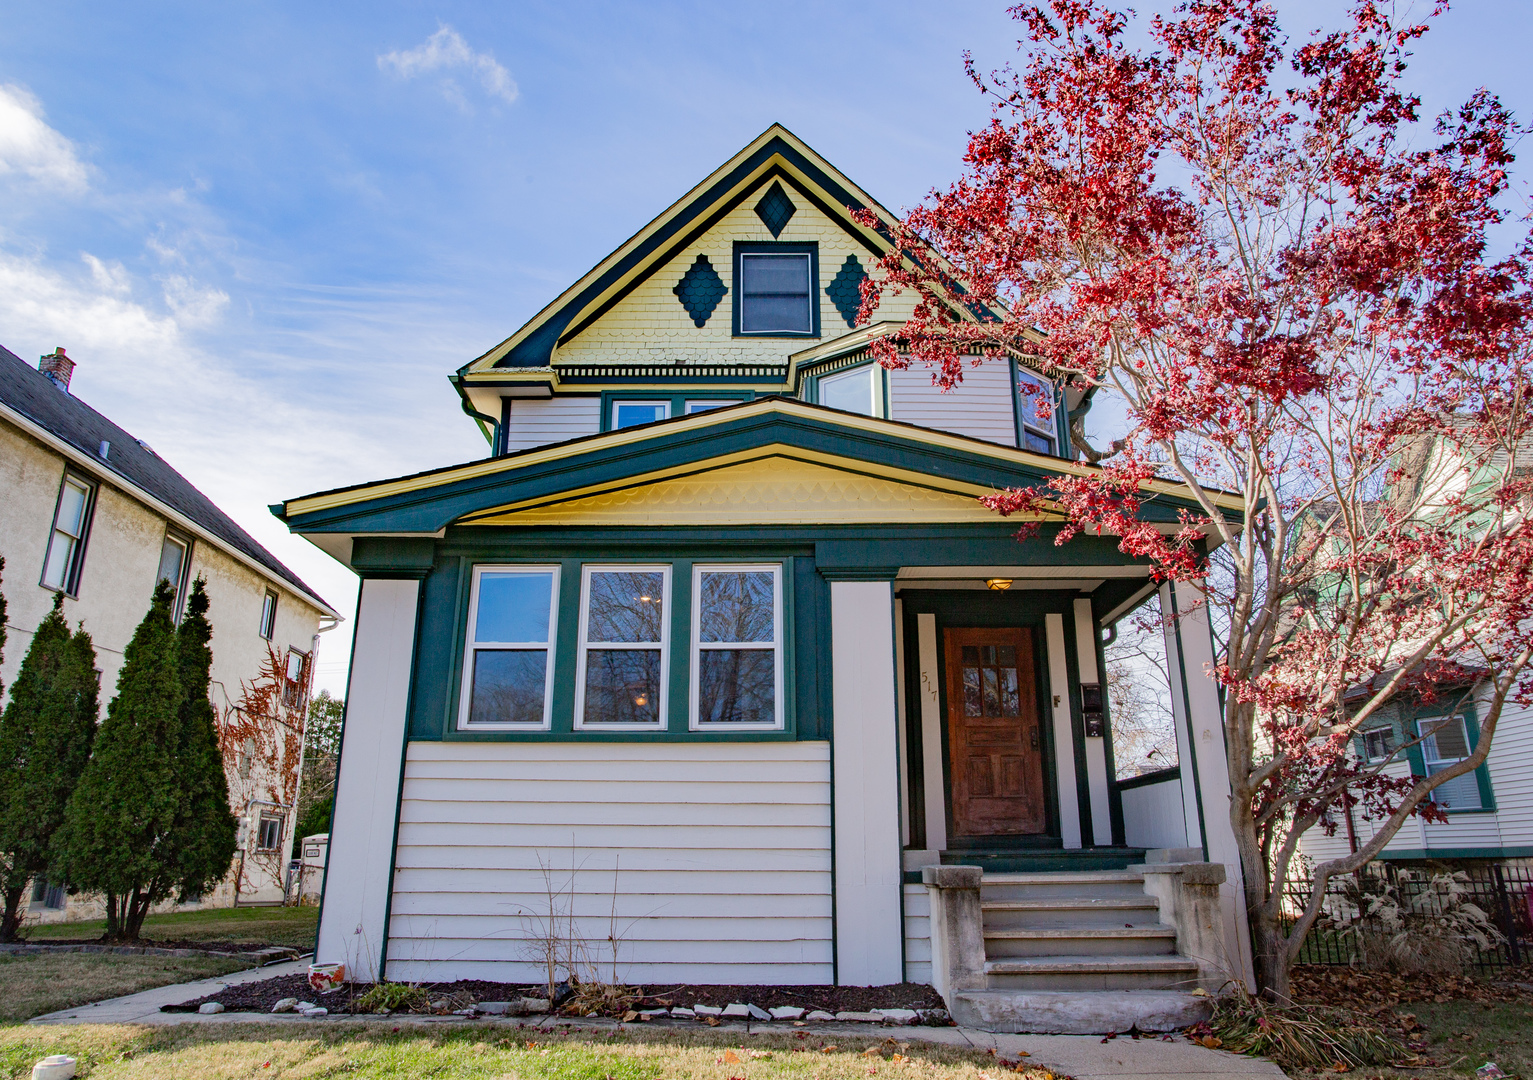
{"points": [[291, 1052], [292, 926], [33, 985]]}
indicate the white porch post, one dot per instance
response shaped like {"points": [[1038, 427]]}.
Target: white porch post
{"points": [[1064, 735], [865, 779], [352, 926], [1096, 745], [1204, 761]]}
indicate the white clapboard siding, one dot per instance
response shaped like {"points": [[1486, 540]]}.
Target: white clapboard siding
{"points": [[709, 862], [1511, 777], [538, 422], [918, 935], [980, 407], [1153, 815]]}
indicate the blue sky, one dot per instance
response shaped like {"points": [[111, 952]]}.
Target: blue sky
{"points": [[268, 232]]}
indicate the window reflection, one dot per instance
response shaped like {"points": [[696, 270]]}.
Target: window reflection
{"points": [[623, 648], [736, 655]]}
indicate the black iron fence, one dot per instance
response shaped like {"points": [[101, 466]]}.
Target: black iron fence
{"points": [[1364, 911]]}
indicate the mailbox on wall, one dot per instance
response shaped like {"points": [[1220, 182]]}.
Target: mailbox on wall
{"points": [[1091, 710]]}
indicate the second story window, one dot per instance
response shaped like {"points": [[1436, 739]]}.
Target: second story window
{"points": [[268, 615], [858, 390], [175, 560], [1035, 410], [633, 413], [71, 525], [776, 290], [294, 678]]}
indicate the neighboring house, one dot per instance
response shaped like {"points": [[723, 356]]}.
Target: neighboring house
{"points": [[95, 514], [1490, 811], [717, 651]]}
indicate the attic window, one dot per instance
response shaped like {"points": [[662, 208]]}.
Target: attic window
{"points": [[776, 290]]}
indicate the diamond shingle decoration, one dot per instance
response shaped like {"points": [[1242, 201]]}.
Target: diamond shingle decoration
{"points": [[775, 210], [700, 290], [845, 290]]}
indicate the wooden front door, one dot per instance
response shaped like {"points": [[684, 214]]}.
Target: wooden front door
{"points": [[993, 738]]}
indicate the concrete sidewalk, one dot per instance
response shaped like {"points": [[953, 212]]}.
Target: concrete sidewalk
{"points": [[1085, 1057]]}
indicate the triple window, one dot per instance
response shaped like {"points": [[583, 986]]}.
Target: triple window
{"points": [[622, 661]]}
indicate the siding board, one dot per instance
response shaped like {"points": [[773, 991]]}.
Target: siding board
{"points": [[537, 422], [918, 935], [980, 407], [721, 852]]}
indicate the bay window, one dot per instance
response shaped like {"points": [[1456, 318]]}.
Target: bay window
{"points": [[737, 676], [621, 669], [508, 664]]}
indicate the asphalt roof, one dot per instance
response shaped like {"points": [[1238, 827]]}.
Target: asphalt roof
{"points": [[34, 395]]}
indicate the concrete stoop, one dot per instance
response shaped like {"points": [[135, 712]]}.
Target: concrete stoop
{"points": [[1085, 1012]]}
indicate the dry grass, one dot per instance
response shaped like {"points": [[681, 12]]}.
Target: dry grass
{"points": [[293, 1052], [292, 926], [33, 985]]}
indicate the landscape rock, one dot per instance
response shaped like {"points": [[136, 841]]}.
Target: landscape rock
{"points": [[285, 1005], [758, 1013], [787, 1012], [207, 1008], [54, 1067], [650, 1014], [934, 1017], [707, 1010], [470, 1011], [736, 1011], [899, 1016], [501, 1008], [681, 1012], [440, 1003], [316, 1012], [820, 1014], [536, 1005], [304, 1006], [860, 1017]]}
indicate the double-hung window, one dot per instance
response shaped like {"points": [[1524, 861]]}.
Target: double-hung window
{"points": [[1445, 743], [268, 615], [737, 676], [175, 560], [71, 524], [508, 666], [855, 391], [1035, 409], [1379, 743], [620, 678], [775, 290]]}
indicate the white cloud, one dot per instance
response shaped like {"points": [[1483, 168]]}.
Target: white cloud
{"points": [[30, 147], [112, 277], [194, 304], [446, 51]]}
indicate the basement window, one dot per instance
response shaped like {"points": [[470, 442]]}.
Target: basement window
{"points": [[508, 668], [737, 647], [621, 671]]}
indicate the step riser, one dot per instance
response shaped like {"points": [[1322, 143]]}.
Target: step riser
{"points": [[1002, 948], [1117, 890], [1075, 1014], [1083, 981], [1071, 918]]}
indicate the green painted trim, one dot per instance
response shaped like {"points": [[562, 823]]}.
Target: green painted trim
{"points": [[1159, 776], [1114, 793], [1431, 854], [676, 401], [393, 556], [859, 573], [1412, 720]]}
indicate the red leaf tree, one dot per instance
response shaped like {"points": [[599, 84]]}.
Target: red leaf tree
{"points": [[1288, 279]]}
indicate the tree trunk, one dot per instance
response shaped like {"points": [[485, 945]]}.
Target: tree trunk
{"points": [[10, 922], [133, 920], [113, 919], [1269, 952]]}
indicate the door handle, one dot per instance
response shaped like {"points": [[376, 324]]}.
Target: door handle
{"points": [[1035, 736]]}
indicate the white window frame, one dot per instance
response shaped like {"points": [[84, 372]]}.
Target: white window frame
{"points": [[698, 405], [185, 543], [1372, 757], [75, 566], [874, 374], [694, 722], [472, 645], [268, 625], [1024, 425], [1427, 729], [602, 646], [663, 403]]}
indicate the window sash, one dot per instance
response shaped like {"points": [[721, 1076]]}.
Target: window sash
{"points": [[1034, 427], [868, 374], [587, 647], [780, 302], [663, 408], [1462, 792], [268, 615], [474, 647], [66, 542], [696, 722]]}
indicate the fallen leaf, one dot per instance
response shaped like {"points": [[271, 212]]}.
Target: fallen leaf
{"points": [[873, 1051], [827, 1049], [1023, 1053], [630, 1016], [1211, 1042], [711, 1021], [898, 1059], [1110, 1036], [730, 1057]]}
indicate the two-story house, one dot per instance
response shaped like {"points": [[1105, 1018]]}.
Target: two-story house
{"points": [[93, 513], [717, 661]]}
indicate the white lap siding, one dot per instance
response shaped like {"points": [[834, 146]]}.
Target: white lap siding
{"points": [[715, 857], [1153, 816], [918, 934], [537, 422], [980, 407]]}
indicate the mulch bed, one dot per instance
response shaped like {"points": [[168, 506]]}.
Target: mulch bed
{"points": [[261, 996]]}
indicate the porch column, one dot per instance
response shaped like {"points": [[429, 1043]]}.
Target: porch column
{"points": [[865, 780], [1064, 732], [1204, 760], [359, 865], [1096, 745]]}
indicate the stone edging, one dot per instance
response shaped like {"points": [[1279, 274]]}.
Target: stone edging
{"points": [[259, 957]]}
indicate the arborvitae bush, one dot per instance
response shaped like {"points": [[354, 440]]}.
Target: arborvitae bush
{"points": [[45, 741]]}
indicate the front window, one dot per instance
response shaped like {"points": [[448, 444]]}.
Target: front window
{"points": [[621, 671], [1445, 743], [633, 413], [269, 833], [737, 647], [175, 556], [852, 391], [1035, 407], [508, 668], [66, 547]]}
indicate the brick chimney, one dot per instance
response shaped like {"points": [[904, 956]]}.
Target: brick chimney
{"points": [[57, 367]]}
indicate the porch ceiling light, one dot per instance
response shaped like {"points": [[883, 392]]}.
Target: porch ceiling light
{"points": [[998, 583]]}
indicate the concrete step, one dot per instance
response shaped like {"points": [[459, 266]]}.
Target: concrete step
{"points": [[1046, 859], [1081, 941], [1099, 883], [1075, 912], [1091, 973], [1078, 1013]]}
